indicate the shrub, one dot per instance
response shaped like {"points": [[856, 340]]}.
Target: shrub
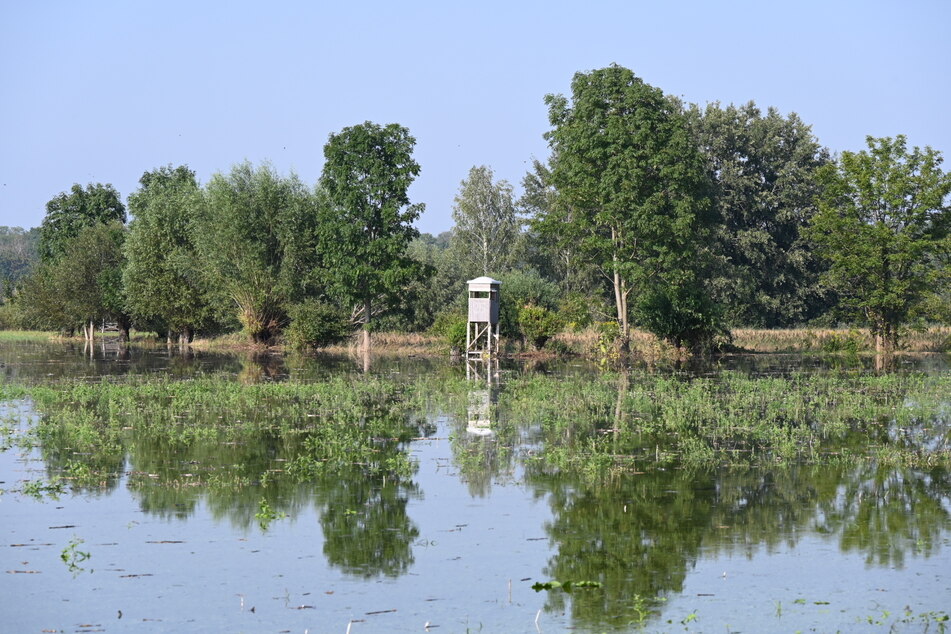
{"points": [[538, 324], [523, 288], [574, 311], [451, 326], [316, 324]]}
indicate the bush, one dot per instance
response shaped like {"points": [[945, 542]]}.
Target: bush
{"points": [[684, 316], [575, 312], [451, 326], [538, 324], [316, 324], [523, 288]]}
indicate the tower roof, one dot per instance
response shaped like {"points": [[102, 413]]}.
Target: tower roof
{"points": [[484, 280]]}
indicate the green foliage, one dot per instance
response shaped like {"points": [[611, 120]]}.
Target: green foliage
{"points": [[538, 324], [266, 514], [73, 557], [367, 224], [67, 214], [574, 311], [316, 324], [451, 326], [559, 259], [849, 343], [634, 194], [765, 168], [666, 422], [442, 286], [163, 278], [82, 285], [519, 289], [486, 224], [18, 256], [255, 240], [684, 315], [883, 226]]}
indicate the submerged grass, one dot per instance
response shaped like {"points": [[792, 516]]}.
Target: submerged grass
{"points": [[644, 421], [214, 431]]}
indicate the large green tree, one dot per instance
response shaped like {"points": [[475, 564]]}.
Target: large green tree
{"points": [[83, 285], [765, 168], [639, 195], [163, 278], [367, 223], [68, 213], [487, 227], [883, 225], [251, 239]]}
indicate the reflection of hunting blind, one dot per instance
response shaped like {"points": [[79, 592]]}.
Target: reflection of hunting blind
{"points": [[482, 333]]}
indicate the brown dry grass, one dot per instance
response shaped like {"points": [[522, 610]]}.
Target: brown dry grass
{"points": [[393, 343], [935, 339]]}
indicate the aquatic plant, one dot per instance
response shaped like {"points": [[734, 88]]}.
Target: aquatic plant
{"points": [[597, 425]]}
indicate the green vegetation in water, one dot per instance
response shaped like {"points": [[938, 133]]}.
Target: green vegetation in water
{"points": [[632, 422], [37, 489], [174, 439], [566, 586], [266, 514], [73, 557]]}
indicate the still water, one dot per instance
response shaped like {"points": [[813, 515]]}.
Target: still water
{"points": [[475, 539]]}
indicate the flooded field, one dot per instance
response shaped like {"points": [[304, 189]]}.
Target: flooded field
{"points": [[149, 490]]}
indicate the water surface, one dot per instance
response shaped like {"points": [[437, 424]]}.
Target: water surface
{"points": [[459, 543]]}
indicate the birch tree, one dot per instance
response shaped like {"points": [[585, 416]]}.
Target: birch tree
{"points": [[487, 226]]}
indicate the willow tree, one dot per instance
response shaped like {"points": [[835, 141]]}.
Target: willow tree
{"points": [[163, 277], [367, 223], [626, 166], [883, 224], [247, 237], [82, 286]]}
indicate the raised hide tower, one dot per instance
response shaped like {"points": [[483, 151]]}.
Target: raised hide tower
{"points": [[482, 333]]}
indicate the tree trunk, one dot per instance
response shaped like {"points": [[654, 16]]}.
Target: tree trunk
{"points": [[366, 326], [620, 294], [124, 325]]}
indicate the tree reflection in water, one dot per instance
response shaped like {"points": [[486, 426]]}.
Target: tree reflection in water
{"points": [[640, 535], [367, 531]]}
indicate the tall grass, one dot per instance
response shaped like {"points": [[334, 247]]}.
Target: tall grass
{"points": [[25, 335], [852, 340]]}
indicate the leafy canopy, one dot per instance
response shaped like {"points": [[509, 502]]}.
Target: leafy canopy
{"points": [[637, 191], [883, 226], [367, 221], [68, 213]]}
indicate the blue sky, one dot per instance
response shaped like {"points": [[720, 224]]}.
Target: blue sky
{"points": [[103, 91]]}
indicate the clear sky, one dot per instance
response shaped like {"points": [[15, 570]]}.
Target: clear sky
{"points": [[101, 91]]}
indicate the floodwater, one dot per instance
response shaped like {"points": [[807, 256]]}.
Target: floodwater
{"points": [[463, 545]]}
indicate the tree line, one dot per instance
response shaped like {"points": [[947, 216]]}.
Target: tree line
{"points": [[648, 213]]}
